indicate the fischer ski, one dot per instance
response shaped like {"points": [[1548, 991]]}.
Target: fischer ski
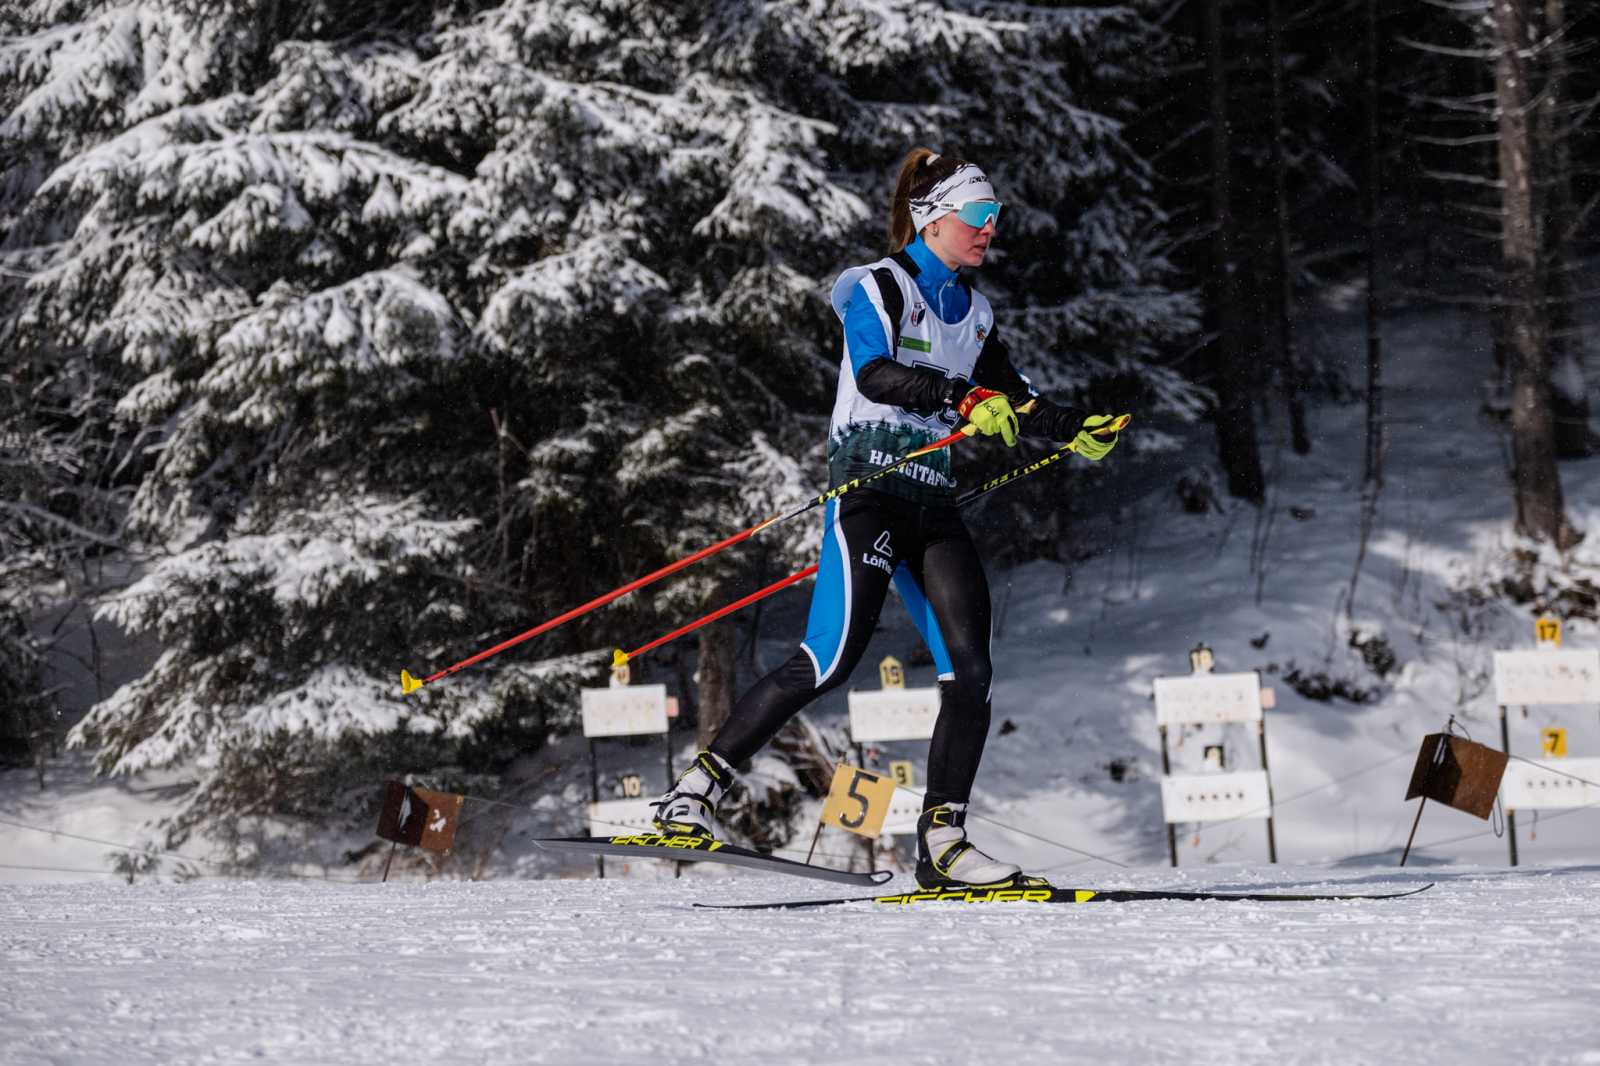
{"points": [[701, 849], [1052, 894]]}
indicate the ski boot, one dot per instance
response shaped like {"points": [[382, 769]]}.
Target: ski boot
{"points": [[689, 807], [946, 859]]}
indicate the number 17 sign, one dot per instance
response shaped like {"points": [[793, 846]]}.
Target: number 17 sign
{"points": [[858, 801]]}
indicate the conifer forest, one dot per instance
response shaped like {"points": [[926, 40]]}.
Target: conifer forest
{"points": [[344, 338]]}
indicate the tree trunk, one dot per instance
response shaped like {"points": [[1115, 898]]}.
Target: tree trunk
{"points": [[1293, 380], [1373, 468], [1536, 484], [1569, 392], [715, 679], [1236, 429]]}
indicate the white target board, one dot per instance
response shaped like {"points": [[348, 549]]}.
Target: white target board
{"points": [[624, 711], [1533, 677], [893, 714], [1208, 698], [1215, 797], [1529, 786], [611, 818], [904, 810]]}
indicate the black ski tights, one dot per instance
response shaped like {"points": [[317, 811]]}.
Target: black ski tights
{"points": [[871, 538]]}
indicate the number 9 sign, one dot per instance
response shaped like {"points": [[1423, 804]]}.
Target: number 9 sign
{"points": [[858, 801]]}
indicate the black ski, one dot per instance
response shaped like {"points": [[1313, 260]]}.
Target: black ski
{"points": [[1052, 894], [699, 849]]}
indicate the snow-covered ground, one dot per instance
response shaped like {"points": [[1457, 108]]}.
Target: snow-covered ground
{"points": [[1490, 966], [1495, 965], [89, 819]]}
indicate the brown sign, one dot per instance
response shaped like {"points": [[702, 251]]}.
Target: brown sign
{"points": [[419, 817], [1458, 773], [858, 801]]}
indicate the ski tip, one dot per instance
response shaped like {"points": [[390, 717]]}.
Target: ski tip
{"points": [[881, 877], [619, 658], [408, 684]]}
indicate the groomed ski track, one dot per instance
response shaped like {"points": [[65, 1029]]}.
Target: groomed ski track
{"points": [[1490, 966]]}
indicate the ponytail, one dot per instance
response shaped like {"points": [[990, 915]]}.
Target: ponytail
{"points": [[920, 171]]}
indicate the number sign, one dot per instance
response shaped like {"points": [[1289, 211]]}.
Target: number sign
{"points": [[904, 772], [1550, 783], [1554, 742], [1214, 797], [609, 818], [624, 712], [1547, 631], [858, 801], [1208, 698], [905, 808], [1535, 677], [893, 714]]}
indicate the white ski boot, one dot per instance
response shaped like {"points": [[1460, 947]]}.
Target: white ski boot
{"points": [[689, 807], [946, 859]]}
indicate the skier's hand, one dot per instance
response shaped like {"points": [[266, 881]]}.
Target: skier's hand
{"points": [[1093, 446], [990, 412]]}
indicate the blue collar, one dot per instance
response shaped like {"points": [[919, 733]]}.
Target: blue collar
{"points": [[933, 271]]}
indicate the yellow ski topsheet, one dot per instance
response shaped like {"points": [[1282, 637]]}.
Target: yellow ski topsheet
{"points": [[987, 895]]}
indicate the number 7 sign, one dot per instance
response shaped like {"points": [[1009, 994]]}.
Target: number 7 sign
{"points": [[857, 801]]}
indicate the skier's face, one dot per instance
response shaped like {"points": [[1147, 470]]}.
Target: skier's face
{"points": [[958, 244]]}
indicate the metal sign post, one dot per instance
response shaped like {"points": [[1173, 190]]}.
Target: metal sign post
{"points": [[1269, 700], [1205, 698], [1511, 814], [1166, 772], [1530, 679]]}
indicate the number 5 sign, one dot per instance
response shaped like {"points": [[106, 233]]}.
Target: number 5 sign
{"points": [[857, 801]]}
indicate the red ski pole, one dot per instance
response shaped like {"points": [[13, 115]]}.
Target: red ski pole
{"points": [[409, 684], [620, 657]]}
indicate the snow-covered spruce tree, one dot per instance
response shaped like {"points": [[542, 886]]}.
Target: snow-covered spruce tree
{"points": [[258, 265], [441, 331]]}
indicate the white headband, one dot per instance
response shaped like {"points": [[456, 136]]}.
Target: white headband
{"points": [[967, 184]]}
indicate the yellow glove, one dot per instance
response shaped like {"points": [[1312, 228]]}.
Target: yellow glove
{"points": [[1093, 446], [991, 413]]}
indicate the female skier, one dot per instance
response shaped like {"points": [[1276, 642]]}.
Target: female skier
{"points": [[921, 354]]}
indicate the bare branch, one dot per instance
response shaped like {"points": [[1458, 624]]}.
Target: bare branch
{"points": [[41, 515], [1478, 104], [1485, 54], [1581, 218], [1465, 179], [1456, 142]]}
